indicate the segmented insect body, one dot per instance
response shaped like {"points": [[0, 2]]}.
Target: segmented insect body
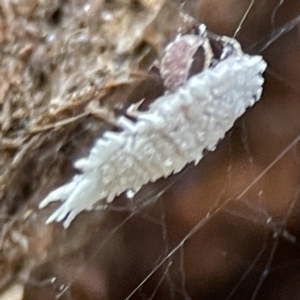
{"points": [[172, 133]]}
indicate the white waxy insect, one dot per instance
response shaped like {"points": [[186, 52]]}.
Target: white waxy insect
{"points": [[175, 131]]}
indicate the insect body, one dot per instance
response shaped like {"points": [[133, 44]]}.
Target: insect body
{"points": [[175, 131]]}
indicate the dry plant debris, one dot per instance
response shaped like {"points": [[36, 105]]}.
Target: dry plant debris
{"points": [[66, 68]]}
